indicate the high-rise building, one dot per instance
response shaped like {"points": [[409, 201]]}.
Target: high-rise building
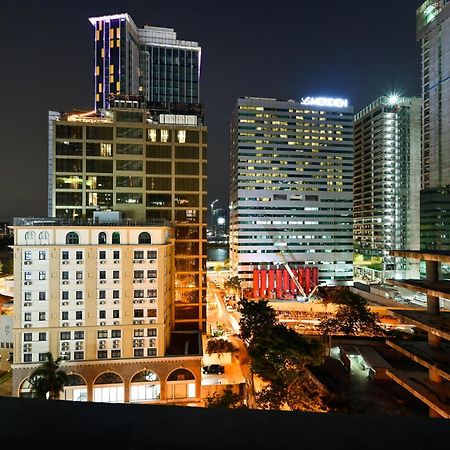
{"points": [[220, 225], [433, 30], [148, 61], [148, 165], [100, 294], [291, 169], [386, 183]]}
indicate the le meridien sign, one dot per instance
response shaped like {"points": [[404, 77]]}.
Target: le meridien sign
{"points": [[325, 101]]}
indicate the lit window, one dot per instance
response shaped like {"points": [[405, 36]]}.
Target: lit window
{"points": [[151, 135], [181, 135], [164, 135]]}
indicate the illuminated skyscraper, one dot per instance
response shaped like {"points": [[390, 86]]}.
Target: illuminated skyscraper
{"points": [[291, 168], [433, 30], [386, 183], [147, 61], [148, 166]]}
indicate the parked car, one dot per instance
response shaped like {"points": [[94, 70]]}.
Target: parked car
{"points": [[213, 369]]}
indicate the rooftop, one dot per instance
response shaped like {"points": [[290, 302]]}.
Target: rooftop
{"points": [[60, 221]]}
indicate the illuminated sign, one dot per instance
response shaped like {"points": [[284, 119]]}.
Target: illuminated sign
{"points": [[325, 101]]}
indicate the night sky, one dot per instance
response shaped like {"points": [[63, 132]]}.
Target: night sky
{"points": [[279, 49]]}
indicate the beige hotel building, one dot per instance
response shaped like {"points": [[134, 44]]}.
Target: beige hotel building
{"points": [[101, 295]]}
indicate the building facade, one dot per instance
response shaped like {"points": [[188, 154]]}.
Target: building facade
{"points": [[433, 31], [147, 61], [386, 183], [220, 222], [291, 168], [147, 165], [101, 296]]}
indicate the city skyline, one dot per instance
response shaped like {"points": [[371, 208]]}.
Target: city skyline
{"points": [[293, 71]]}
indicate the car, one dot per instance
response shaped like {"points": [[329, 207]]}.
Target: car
{"points": [[213, 369]]}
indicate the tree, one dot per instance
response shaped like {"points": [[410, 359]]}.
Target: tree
{"points": [[256, 317], [6, 267], [219, 346], [353, 317], [280, 357], [234, 284], [228, 400], [48, 380]]}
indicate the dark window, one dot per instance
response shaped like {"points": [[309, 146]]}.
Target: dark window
{"points": [[98, 149], [102, 314], [64, 335], [69, 148], [129, 149], [69, 165], [144, 238], [78, 315], [102, 238], [99, 166], [102, 354], [133, 133], [159, 184], [129, 165], [72, 238], [69, 132], [99, 133], [69, 198]]}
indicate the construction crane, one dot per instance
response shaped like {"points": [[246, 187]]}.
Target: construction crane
{"points": [[280, 254]]}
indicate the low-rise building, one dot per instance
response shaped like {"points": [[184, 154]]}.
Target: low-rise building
{"points": [[100, 294]]}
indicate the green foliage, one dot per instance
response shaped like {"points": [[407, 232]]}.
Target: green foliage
{"points": [[256, 317], [48, 380], [228, 400], [6, 267], [352, 318], [219, 346], [280, 356], [233, 283]]}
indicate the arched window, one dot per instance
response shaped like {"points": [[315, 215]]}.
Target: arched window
{"points": [[145, 386], [102, 238], [72, 238], [181, 375], [180, 385], [43, 237], [116, 237], [75, 388], [30, 237], [109, 388], [144, 238]]}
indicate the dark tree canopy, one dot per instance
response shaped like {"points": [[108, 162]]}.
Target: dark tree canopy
{"points": [[48, 380]]}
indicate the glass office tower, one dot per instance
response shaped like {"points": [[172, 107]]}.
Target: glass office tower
{"points": [[291, 169], [386, 183], [148, 165], [433, 30], [150, 62]]}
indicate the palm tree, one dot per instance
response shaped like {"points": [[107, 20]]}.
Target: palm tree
{"points": [[48, 380]]}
